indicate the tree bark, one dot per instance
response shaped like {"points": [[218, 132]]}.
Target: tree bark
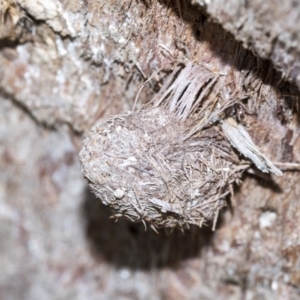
{"points": [[65, 65]]}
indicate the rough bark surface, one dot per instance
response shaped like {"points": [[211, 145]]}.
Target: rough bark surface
{"points": [[66, 64], [269, 28]]}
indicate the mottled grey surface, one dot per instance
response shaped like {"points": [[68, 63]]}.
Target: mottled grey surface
{"points": [[271, 29], [67, 64]]}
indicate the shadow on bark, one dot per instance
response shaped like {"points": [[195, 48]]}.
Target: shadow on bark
{"points": [[230, 51], [127, 244]]}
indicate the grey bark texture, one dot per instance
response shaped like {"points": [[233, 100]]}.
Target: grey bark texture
{"points": [[269, 28], [65, 65]]}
